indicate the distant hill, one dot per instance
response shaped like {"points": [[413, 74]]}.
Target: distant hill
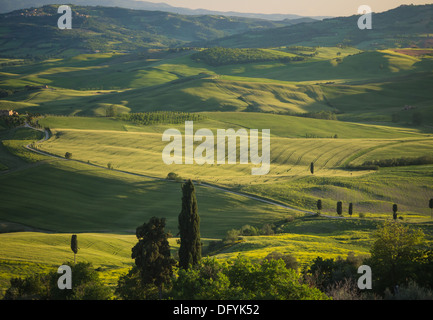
{"points": [[34, 32], [11, 5], [404, 26]]}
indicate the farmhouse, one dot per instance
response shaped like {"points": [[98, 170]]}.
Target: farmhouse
{"points": [[8, 113]]}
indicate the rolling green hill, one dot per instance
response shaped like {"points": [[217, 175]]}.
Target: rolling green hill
{"points": [[356, 85], [34, 32], [404, 26]]}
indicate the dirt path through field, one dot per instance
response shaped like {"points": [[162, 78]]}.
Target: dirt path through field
{"points": [[202, 184]]}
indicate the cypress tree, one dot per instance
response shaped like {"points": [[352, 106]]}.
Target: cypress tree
{"points": [[189, 228], [312, 167], [350, 209], [319, 205], [339, 208], [74, 245], [430, 204], [394, 210]]}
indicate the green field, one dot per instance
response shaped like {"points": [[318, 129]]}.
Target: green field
{"points": [[289, 179], [360, 85], [45, 199]]}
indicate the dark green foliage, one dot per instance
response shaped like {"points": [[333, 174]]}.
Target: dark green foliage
{"points": [[189, 228], [12, 121], [430, 204], [174, 176], [339, 208], [33, 287], [131, 287], [225, 56], [68, 155], [325, 115], [362, 167], [319, 205], [232, 236], [324, 273], [350, 209], [86, 285], [312, 167], [289, 260], [399, 162], [152, 253], [74, 245], [399, 255], [4, 93], [242, 279], [394, 211], [163, 117]]}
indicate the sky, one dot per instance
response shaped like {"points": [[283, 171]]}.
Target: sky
{"points": [[299, 7]]}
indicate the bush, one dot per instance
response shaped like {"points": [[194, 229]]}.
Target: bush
{"points": [[289, 260], [86, 285], [242, 279], [248, 230], [174, 177], [232, 236], [411, 291]]}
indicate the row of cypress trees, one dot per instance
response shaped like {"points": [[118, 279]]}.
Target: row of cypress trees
{"points": [[340, 208]]}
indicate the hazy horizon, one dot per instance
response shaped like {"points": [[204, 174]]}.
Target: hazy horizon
{"points": [[304, 8]]}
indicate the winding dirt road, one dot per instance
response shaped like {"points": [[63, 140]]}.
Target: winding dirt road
{"points": [[202, 184]]}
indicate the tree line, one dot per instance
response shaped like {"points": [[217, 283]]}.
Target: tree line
{"points": [[339, 208], [225, 56], [160, 117], [393, 162]]}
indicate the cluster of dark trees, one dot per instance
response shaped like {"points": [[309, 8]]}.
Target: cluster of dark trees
{"points": [[12, 121], [166, 117], [325, 115], [224, 56], [339, 208], [17, 120], [4, 93], [394, 162], [400, 162]]}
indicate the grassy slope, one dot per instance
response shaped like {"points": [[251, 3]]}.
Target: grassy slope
{"points": [[366, 86], [103, 140]]}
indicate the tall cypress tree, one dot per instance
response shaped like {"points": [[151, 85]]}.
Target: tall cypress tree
{"points": [[350, 209], [189, 228], [340, 208], [74, 245], [319, 205], [430, 205]]}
